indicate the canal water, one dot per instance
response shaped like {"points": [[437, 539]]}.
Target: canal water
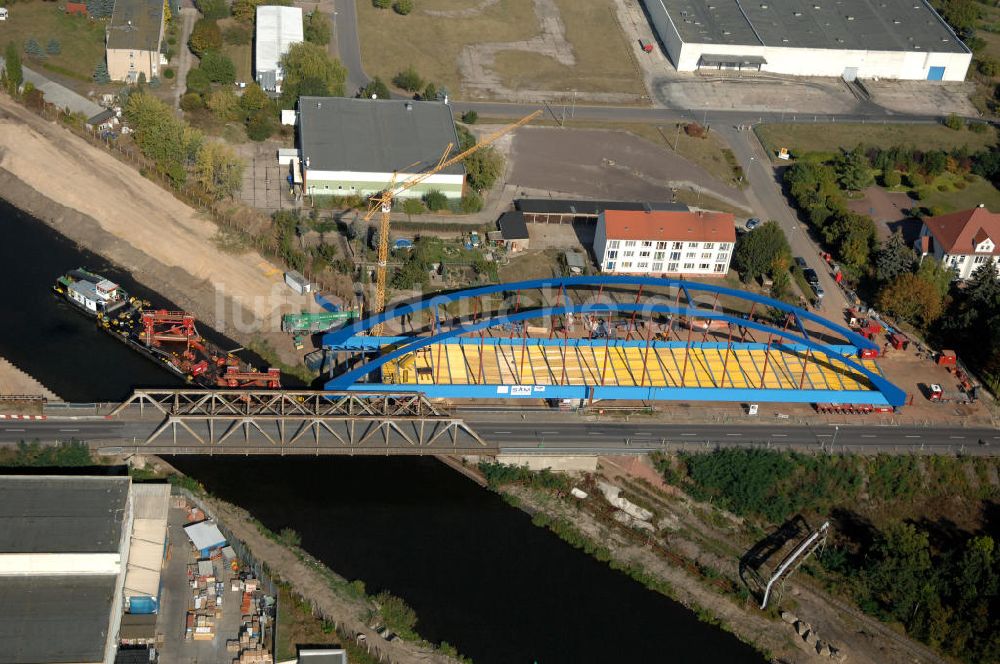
{"points": [[50, 339], [477, 572]]}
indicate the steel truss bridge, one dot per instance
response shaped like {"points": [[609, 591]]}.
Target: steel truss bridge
{"points": [[295, 422], [643, 338]]}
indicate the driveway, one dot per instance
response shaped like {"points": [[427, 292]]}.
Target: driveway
{"points": [[347, 44], [767, 199], [185, 58]]}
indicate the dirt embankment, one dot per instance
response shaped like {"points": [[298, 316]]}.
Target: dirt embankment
{"points": [[105, 205]]}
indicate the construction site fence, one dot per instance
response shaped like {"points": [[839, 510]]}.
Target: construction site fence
{"points": [[243, 554]]}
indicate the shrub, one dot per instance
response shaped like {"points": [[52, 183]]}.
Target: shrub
{"points": [[413, 206], [198, 81], [218, 67], [953, 122], [101, 73], [988, 67], [403, 7], [260, 126], [472, 203], [237, 35], [206, 36], [53, 47], [977, 127], [408, 79], [168, 73], [192, 102], [890, 178], [694, 130], [470, 117], [919, 194], [213, 9], [375, 87], [942, 187], [382, 4], [435, 201], [960, 184], [31, 47]]}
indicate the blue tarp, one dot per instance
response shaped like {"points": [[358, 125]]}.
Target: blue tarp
{"points": [[142, 605]]}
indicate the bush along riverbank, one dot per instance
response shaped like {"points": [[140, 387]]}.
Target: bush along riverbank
{"points": [[595, 526]]}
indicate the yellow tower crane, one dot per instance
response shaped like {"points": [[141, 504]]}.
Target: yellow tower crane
{"points": [[382, 203]]}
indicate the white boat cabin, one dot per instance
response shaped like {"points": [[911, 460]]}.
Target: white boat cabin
{"points": [[93, 297]]}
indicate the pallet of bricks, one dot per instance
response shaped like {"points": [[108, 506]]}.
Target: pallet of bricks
{"points": [[205, 608], [250, 644]]}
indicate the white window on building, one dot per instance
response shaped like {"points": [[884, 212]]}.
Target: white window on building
{"points": [[722, 258], [703, 266], [706, 254], [612, 244], [691, 254], [629, 243], [709, 245], [980, 260], [643, 254], [724, 246], [626, 264], [672, 267], [612, 255], [720, 268], [661, 245], [688, 266], [647, 243], [678, 245], [643, 265], [609, 266], [659, 255], [675, 255], [657, 267], [692, 245]]}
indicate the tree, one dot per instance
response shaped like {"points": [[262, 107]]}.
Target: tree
{"points": [[225, 105], [101, 73], [53, 47], [853, 170], [317, 28], [167, 14], [893, 258], [988, 67], [244, 10], [898, 571], [890, 178], [470, 117], [13, 71], [435, 200], [403, 7], [911, 299], [218, 67], [937, 274], [161, 135], [206, 36], [310, 70], [382, 4], [412, 206], [377, 88], [408, 79], [218, 170], [855, 236], [198, 81], [761, 251], [213, 9], [465, 138], [254, 99], [483, 168], [430, 92], [191, 101], [472, 203], [260, 126]]}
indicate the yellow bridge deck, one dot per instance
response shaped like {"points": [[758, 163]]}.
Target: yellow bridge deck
{"points": [[630, 366]]}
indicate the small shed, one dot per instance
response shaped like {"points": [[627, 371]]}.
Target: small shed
{"points": [[106, 119], [297, 282], [575, 261], [77, 9], [514, 231], [205, 536]]}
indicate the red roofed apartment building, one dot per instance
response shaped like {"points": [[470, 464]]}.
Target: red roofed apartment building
{"points": [[962, 240], [665, 242]]}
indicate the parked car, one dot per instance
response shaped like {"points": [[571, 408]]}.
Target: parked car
{"points": [[752, 223], [801, 262], [811, 277], [819, 291]]}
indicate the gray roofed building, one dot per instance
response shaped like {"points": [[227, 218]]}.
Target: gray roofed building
{"points": [[52, 514], [376, 135], [136, 25], [314, 655], [55, 618]]}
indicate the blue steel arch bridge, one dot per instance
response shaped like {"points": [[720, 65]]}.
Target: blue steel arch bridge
{"points": [[610, 338]]}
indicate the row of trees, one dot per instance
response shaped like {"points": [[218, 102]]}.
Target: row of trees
{"points": [[180, 152], [402, 7]]}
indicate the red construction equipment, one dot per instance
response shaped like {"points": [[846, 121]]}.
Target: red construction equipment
{"points": [[899, 341], [236, 378], [868, 353], [162, 325], [947, 358]]}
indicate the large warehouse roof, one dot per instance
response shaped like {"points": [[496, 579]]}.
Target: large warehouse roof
{"points": [[875, 25], [135, 25], [54, 618], [375, 135], [49, 514], [277, 29]]}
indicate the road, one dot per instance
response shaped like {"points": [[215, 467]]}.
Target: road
{"points": [[570, 434], [345, 37], [184, 56]]}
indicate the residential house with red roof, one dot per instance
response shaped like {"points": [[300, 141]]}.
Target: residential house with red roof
{"points": [[962, 240], [665, 242]]}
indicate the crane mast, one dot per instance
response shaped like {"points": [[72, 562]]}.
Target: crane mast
{"points": [[382, 203]]}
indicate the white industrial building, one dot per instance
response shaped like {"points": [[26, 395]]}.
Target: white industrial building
{"points": [[963, 241], [277, 29], [665, 242], [898, 39], [353, 147]]}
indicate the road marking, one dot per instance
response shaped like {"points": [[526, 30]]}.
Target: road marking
{"points": [[867, 435], [689, 434], [501, 432], [913, 436], [69, 429], [956, 437], [824, 435], [13, 429], [595, 433], [642, 434], [734, 434], [549, 433], [780, 435]]}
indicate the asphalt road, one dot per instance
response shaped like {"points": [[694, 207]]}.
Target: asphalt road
{"points": [[571, 435], [345, 28]]}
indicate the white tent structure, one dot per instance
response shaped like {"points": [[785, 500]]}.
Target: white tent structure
{"points": [[277, 29]]}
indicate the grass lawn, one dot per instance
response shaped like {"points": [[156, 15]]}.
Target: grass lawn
{"points": [[604, 62], [976, 192], [240, 54], [802, 138], [433, 45], [81, 40]]}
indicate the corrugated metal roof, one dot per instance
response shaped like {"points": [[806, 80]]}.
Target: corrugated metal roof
{"points": [[277, 29], [204, 534]]}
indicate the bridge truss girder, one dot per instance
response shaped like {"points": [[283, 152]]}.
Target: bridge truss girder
{"points": [[299, 422]]}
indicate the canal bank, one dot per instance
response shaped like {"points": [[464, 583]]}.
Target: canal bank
{"points": [[477, 572]]}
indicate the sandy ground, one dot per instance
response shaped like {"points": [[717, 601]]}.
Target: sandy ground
{"points": [[107, 206]]}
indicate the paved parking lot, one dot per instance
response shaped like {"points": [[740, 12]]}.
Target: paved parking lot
{"points": [[265, 184]]}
